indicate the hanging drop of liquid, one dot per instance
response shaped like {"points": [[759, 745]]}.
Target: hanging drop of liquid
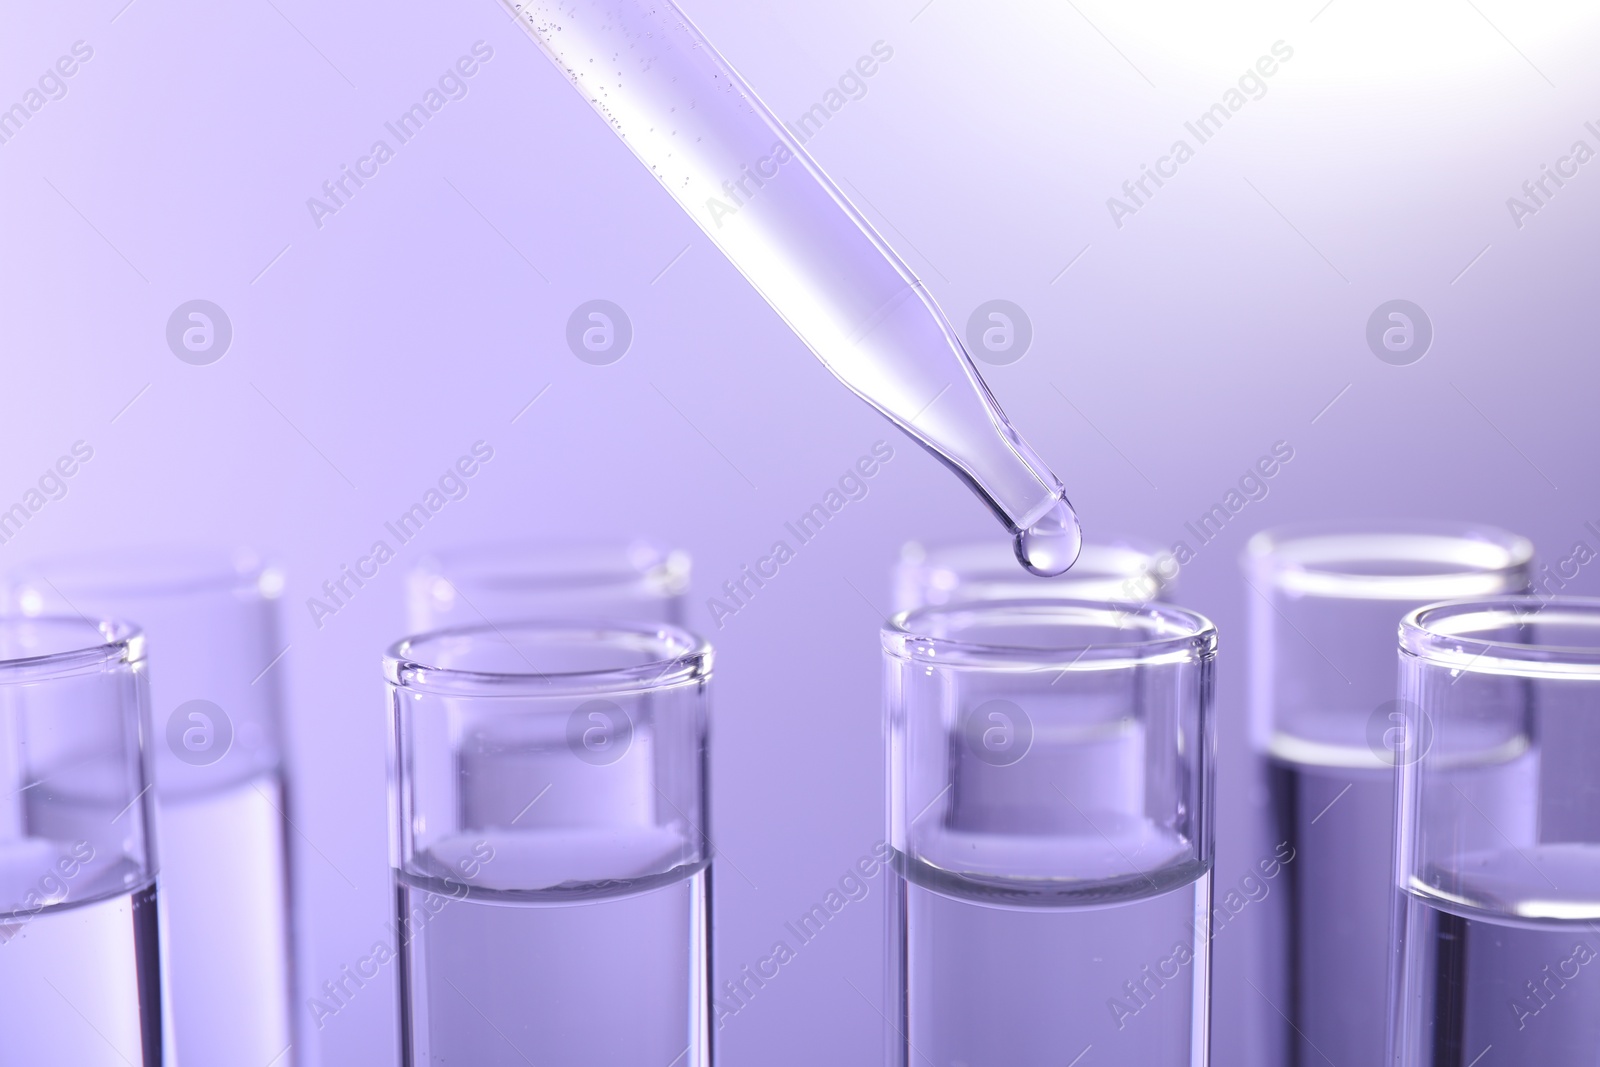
{"points": [[1051, 545]]}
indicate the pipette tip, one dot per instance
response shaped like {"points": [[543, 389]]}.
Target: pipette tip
{"points": [[1050, 546]]}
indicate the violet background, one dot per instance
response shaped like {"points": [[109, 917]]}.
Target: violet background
{"points": [[370, 353]]}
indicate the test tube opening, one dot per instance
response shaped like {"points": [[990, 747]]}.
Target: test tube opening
{"points": [[550, 839], [1498, 828], [1050, 782], [78, 914]]}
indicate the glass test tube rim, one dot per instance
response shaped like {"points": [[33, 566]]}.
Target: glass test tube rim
{"points": [[1439, 634], [687, 659], [1177, 634], [120, 642], [977, 565], [164, 570], [1318, 558], [534, 565]]}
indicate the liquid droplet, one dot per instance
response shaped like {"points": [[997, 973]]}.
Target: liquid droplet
{"points": [[1050, 546]]}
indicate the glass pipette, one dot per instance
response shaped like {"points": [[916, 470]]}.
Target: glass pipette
{"points": [[745, 179]]}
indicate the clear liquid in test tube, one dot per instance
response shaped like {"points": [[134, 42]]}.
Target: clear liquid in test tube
{"points": [[748, 183]]}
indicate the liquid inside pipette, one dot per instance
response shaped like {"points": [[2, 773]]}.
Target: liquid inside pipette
{"points": [[744, 177]]}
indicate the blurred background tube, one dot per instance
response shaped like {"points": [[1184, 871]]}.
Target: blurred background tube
{"points": [[469, 585], [1325, 601]]}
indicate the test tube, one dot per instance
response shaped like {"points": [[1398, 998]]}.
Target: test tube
{"points": [[548, 805], [930, 575], [80, 973], [220, 790], [1325, 601], [1498, 865], [1050, 769], [638, 580]]}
